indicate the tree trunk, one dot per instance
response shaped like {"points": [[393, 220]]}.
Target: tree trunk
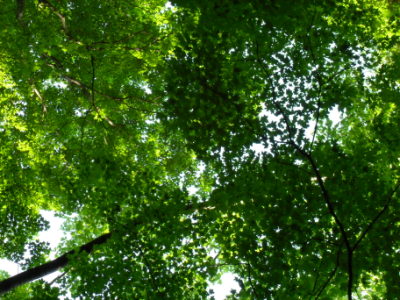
{"points": [[49, 267]]}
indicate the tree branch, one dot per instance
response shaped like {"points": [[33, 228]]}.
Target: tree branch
{"points": [[253, 288], [278, 107], [56, 64], [331, 275], [60, 262], [318, 175], [49, 267], [331, 209], [324, 192], [374, 220], [62, 20], [58, 277], [39, 95], [318, 76]]}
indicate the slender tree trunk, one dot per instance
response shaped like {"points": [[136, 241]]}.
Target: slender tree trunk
{"points": [[49, 267]]}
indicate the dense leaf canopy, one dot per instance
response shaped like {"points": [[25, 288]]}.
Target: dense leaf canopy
{"points": [[181, 140]]}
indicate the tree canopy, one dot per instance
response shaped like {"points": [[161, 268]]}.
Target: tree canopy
{"points": [[181, 140]]}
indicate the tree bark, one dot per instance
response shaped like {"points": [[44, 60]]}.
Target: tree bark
{"points": [[49, 267]]}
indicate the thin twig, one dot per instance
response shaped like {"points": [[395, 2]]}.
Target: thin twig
{"points": [[251, 281], [58, 277], [274, 95], [316, 279], [332, 274], [74, 81], [93, 77], [149, 269], [319, 79]]}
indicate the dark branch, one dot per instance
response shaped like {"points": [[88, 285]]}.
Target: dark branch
{"points": [[60, 262], [56, 64], [332, 274], [324, 192], [49, 267], [374, 220], [318, 76], [331, 210], [291, 130]]}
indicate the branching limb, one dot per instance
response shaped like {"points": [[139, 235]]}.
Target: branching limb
{"points": [[324, 192], [308, 157], [377, 217], [332, 211]]}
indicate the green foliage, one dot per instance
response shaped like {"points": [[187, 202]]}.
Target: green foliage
{"points": [[38, 290], [141, 118]]}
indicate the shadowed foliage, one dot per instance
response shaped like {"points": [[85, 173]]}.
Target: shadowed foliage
{"points": [[182, 140]]}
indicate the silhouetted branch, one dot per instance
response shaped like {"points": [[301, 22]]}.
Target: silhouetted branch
{"points": [[56, 64], [60, 262], [331, 209], [49, 267], [374, 220], [58, 277], [331, 275]]}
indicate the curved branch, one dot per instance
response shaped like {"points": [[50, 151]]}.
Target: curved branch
{"points": [[62, 19]]}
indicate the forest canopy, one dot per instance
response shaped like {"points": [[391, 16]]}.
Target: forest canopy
{"points": [[182, 140]]}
